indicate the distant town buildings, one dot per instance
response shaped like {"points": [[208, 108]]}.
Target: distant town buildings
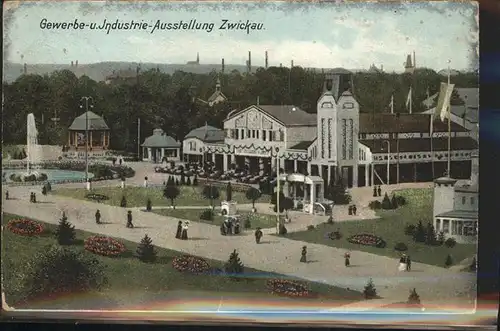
{"points": [[197, 62], [216, 97], [129, 76], [409, 65]]}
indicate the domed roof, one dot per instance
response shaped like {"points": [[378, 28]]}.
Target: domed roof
{"points": [[95, 122]]}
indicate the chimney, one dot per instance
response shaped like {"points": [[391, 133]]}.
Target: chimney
{"points": [[76, 63], [222, 66], [71, 63], [25, 69], [266, 60]]}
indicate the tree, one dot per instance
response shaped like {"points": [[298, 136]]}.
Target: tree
{"points": [[146, 251], [274, 199], [211, 193], [430, 234], [253, 195], [419, 234], [287, 205], [338, 193], [59, 271], [441, 238], [370, 292], [234, 265], [171, 192], [414, 298], [229, 192], [44, 190], [123, 202], [65, 232], [386, 202]]}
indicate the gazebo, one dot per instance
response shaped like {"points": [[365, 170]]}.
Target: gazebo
{"points": [[159, 146], [98, 132], [311, 189]]}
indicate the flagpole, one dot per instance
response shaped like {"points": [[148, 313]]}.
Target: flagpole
{"points": [[449, 125], [410, 99], [432, 144]]}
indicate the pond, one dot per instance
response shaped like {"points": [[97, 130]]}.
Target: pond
{"points": [[53, 175]]}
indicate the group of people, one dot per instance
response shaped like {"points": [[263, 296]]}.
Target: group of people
{"points": [[33, 197], [182, 230], [404, 263], [120, 161], [377, 191], [352, 210], [230, 226]]}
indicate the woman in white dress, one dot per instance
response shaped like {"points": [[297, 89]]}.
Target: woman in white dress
{"points": [[402, 263], [184, 235]]}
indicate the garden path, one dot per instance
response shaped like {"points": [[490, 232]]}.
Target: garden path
{"points": [[275, 254]]}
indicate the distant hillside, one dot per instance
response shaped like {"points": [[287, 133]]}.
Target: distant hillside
{"points": [[98, 71]]}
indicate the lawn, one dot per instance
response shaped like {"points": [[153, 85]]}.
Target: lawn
{"points": [[257, 220], [390, 226], [137, 196], [133, 283]]}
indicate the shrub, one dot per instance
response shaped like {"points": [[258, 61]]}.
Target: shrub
{"points": [[419, 234], [401, 247], [450, 242], [370, 292], [449, 261], [282, 230], [410, 229], [247, 224], [386, 202], [146, 251], [207, 215], [338, 193], [375, 205], [401, 201], [171, 192], [234, 266], [394, 202], [65, 232], [310, 227], [253, 195], [62, 271], [188, 181], [441, 238], [414, 298], [430, 234], [148, 205], [123, 202]]}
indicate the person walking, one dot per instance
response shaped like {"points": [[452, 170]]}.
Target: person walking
{"points": [[379, 191], [375, 191], [184, 235], [408, 263], [347, 259], [258, 235], [237, 227], [303, 255], [354, 210], [350, 210], [98, 217], [7, 195], [129, 219], [402, 263], [178, 233], [31, 197]]}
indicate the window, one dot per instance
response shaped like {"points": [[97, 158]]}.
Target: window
{"points": [[264, 135], [237, 134], [253, 134], [463, 200], [257, 134], [446, 226], [242, 133], [271, 138], [472, 201], [248, 133], [470, 228]]}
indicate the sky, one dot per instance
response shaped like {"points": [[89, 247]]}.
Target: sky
{"points": [[324, 35]]}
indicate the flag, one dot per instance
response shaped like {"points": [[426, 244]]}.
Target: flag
{"points": [[391, 105], [443, 104], [408, 100]]}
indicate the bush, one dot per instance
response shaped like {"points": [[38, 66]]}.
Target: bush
{"points": [[386, 203], [207, 215], [375, 205], [410, 229], [338, 193], [401, 201], [253, 195], [171, 192], [394, 202], [65, 232], [430, 235], [247, 224], [59, 271], [449, 261], [413, 298], [234, 266], [370, 292], [148, 205], [419, 234], [310, 227], [450, 242], [441, 238], [282, 230], [146, 251], [123, 202], [401, 247]]}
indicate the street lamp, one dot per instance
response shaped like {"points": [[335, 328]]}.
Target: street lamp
{"points": [[277, 191], [88, 101], [388, 158]]}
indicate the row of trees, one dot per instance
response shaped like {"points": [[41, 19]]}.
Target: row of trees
{"points": [[170, 101]]}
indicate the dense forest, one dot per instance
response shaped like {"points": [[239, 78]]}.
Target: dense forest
{"points": [[171, 101]]}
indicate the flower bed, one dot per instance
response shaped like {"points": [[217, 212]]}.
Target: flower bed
{"points": [[97, 197], [25, 227], [104, 246], [287, 287], [367, 240], [191, 264]]}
